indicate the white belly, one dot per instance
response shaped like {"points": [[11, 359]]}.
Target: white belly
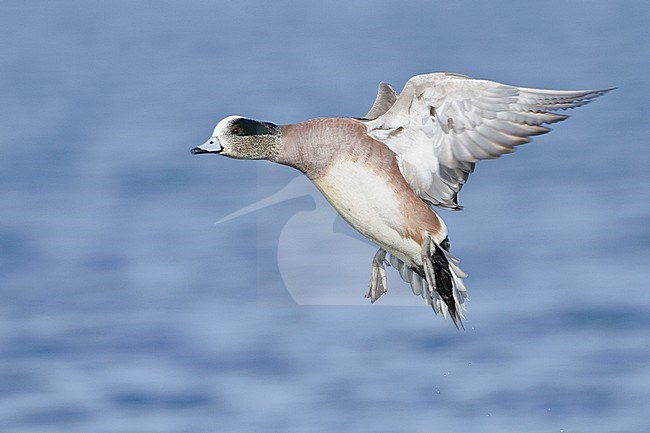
{"points": [[369, 204]]}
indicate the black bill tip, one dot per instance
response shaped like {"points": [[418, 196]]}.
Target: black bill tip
{"points": [[198, 150]]}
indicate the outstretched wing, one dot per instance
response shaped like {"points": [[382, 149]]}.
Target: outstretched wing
{"points": [[442, 124]]}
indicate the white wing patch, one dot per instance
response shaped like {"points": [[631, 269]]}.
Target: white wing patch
{"points": [[442, 124]]}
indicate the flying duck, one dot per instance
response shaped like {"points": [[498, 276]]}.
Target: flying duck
{"points": [[385, 171]]}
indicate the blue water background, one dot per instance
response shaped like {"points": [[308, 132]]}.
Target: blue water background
{"points": [[124, 308]]}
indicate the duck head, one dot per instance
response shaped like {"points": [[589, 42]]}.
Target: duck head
{"points": [[242, 138]]}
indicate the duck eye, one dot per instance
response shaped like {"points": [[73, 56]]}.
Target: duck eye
{"points": [[236, 130]]}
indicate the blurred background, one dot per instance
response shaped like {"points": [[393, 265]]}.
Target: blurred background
{"points": [[125, 308]]}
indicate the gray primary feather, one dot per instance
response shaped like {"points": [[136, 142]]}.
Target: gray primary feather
{"points": [[386, 97]]}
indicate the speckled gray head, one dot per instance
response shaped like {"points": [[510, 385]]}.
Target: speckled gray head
{"points": [[242, 138]]}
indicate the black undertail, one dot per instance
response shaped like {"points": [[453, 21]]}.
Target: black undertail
{"points": [[444, 283]]}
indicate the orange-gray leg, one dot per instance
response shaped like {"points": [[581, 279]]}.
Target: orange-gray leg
{"points": [[377, 284]]}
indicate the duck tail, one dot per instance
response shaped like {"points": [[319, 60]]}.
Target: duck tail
{"points": [[445, 280], [439, 281]]}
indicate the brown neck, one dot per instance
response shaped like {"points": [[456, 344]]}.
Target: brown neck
{"points": [[307, 147], [312, 146]]}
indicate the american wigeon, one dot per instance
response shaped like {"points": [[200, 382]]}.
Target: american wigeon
{"points": [[383, 172]]}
